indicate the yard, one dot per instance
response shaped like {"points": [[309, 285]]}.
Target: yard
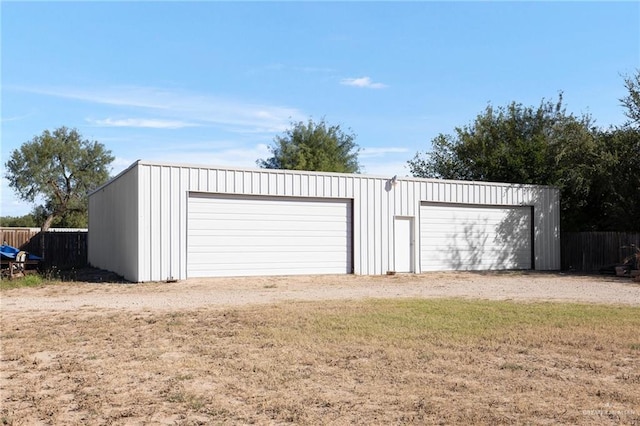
{"points": [[448, 348]]}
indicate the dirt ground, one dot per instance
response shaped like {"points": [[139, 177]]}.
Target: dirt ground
{"points": [[197, 293], [242, 351]]}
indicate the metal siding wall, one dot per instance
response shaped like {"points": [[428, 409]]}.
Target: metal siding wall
{"points": [[182, 198], [155, 225], [164, 195], [380, 225], [388, 227], [357, 225], [545, 200], [551, 230], [177, 231], [163, 207], [163, 210], [113, 224], [385, 221], [370, 209], [165, 220], [363, 242], [144, 251]]}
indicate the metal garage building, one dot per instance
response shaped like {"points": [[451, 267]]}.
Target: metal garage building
{"points": [[156, 222]]}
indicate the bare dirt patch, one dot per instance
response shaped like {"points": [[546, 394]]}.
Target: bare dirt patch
{"points": [[195, 293], [324, 350]]}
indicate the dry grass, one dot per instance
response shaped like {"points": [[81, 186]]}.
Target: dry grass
{"points": [[364, 362], [31, 280]]}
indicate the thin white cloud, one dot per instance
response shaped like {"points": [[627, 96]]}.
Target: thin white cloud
{"points": [[141, 122], [181, 106], [128, 96], [242, 157], [266, 68], [17, 118], [386, 168], [283, 67], [199, 154], [316, 69], [119, 164], [197, 146], [364, 82], [381, 151]]}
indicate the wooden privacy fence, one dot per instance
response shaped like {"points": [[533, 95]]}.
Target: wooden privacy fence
{"points": [[16, 237], [590, 251], [60, 248], [64, 248]]}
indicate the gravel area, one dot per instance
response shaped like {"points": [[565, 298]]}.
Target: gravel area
{"points": [[224, 292]]}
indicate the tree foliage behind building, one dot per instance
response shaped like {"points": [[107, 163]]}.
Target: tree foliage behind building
{"points": [[597, 171], [315, 147], [26, 221]]}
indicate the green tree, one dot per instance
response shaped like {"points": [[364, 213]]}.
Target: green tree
{"points": [[26, 221], [58, 168], [518, 144], [631, 102], [314, 146], [620, 186]]}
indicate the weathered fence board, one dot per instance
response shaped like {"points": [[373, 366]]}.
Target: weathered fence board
{"points": [[590, 251], [62, 249], [16, 237]]}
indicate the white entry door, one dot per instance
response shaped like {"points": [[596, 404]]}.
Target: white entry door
{"points": [[403, 244]]}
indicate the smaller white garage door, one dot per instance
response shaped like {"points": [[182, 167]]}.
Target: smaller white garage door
{"points": [[458, 237], [240, 236]]}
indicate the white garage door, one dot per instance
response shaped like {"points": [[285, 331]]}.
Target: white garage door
{"points": [[240, 236], [456, 237]]}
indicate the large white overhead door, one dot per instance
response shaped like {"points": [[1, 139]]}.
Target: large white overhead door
{"points": [[244, 235], [458, 237]]}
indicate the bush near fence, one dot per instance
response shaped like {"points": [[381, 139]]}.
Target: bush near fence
{"points": [[590, 251], [60, 247]]}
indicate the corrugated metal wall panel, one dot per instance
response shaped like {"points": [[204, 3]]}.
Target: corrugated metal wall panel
{"points": [[144, 223], [182, 175], [383, 256], [167, 187], [152, 269], [545, 201], [175, 232], [113, 223], [369, 210], [161, 210], [357, 227]]}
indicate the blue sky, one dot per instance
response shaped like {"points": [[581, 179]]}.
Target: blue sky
{"points": [[213, 83]]}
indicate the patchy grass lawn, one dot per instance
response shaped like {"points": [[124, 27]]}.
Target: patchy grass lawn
{"points": [[31, 280], [365, 362]]}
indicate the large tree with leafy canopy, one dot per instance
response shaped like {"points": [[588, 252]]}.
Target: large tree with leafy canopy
{"points": [[623, 145], [58, 169], [631, 102], [314, 146], [541, 145], [620, 185]]}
